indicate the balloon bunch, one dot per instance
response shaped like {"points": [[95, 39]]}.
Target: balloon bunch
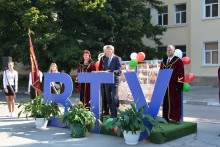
{"points": [[96, 64], [190, 77], [115, 128], [135, 58]]}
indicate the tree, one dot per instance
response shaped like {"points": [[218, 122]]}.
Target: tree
{"points": [[62, 29], [124, 23], [56, 27]]}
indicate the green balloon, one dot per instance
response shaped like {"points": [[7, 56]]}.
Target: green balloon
{"points": [[186, 87], [133, 63], [109, 120]]}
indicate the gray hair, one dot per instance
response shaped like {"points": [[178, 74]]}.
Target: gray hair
{"points": [[110, 46], [172, 47], [105, 47]]}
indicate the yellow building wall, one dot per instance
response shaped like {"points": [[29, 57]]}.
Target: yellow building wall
{"points": [[196, 31], [202, 30], [176, 34]]}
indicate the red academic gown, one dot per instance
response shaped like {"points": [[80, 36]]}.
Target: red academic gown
{"points": [[175, 87], [89, 68], [101, 63]]}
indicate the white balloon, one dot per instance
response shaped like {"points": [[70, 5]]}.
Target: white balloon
{"points": [[133, 55], [178, 53], [100, 56]]}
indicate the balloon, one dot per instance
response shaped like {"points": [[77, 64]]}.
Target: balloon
{"points": [[189, 78], [178, 53], [186, 87], [96, 65], [140, 56], [133, 63], [186, 60], [109, 120], [133, 55], [116, 129]]}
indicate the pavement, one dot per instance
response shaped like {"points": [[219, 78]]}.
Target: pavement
{"points": [[201, 105]]}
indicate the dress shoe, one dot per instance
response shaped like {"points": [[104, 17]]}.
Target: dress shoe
{"points": [[177, 122]]}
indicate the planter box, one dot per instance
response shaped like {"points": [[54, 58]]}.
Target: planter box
{"points": [[54, 122]]}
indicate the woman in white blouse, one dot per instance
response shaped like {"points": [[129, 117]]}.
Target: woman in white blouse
{"points": [[10, 83]]}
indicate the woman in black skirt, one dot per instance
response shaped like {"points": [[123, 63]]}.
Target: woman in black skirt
{"points": [[10, 83]]}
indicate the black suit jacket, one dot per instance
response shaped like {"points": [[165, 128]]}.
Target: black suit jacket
{"points": [[115, 67]]}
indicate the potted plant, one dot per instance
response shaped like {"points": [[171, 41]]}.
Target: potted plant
{"points": [[77, 118], [132, 121], [39, 111]]}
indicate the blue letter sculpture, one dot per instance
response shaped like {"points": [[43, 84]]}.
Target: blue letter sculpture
{"points": [[59, 98], [95, 79], [157, 97]]}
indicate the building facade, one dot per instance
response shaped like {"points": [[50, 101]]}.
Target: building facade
{"points": [[194, 27]]}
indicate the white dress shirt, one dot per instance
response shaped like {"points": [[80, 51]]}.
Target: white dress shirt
{"points": [[170, 59], [30, 80], [12, 79], [110, 60]]}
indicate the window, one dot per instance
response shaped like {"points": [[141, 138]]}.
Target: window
{"points": [[211, 53], [180, 14], [211, 8], [163, 16], [182, 48]]}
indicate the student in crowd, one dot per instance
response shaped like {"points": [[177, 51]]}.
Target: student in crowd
{"points": [[10, 83]]}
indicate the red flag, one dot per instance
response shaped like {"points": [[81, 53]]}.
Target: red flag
{"points": [[35, 74]]}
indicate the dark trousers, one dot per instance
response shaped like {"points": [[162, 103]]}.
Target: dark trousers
{"points": [[32, 92], [82, 93], [104, 103], [112, 98], [166, 106]]}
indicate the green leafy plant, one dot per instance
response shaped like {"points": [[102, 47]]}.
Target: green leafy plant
{"points": [[133, 120], [77, 114], [37, 109]]}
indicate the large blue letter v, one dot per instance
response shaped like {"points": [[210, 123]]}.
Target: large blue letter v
{"points": [[157, 97]]}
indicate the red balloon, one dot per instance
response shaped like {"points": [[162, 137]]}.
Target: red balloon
{"points": [[96, 65], [116, 129], [186, 60], [189, 78], [140, 56]]}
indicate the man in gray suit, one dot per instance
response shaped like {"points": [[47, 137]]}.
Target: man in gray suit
{"points": [[112, 64]]}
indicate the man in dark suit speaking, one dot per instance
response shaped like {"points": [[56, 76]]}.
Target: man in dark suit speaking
{"points": [[112, 64]]}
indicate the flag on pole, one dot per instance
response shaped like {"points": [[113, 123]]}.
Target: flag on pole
{"points": [[35, 74]]}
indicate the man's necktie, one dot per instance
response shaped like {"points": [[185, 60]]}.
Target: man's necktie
{"points": [[168, 62], [109, 61]]}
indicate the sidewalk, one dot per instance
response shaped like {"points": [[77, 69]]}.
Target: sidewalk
{"points": [[202, 95], [21, 132]]}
